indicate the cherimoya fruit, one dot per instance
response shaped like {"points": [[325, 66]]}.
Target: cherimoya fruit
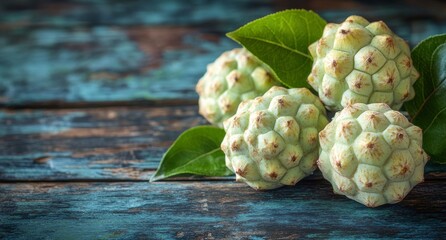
{"points": [[235, 76], [272, 140], [361, 62], [372, 154]]}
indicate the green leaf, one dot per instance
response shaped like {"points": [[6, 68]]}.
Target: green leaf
{"points": [[196, 151], [281, 41], [428, 108]]}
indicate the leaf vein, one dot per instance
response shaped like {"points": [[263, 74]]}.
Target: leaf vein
{"points": [[279, 45]]}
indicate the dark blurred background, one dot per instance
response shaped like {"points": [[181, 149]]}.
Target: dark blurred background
{"points": [[63, 53]]}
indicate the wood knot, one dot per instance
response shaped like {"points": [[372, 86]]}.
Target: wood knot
{"points": [[42, 160]]}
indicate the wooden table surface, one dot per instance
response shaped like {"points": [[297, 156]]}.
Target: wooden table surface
{"points": [[93, 92]]}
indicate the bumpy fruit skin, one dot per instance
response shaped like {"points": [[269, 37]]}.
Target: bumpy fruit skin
{"points": [[272, 140], [235, 76], [372, 154], [361, 62]]}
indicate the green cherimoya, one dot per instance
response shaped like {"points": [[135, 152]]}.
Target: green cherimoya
{"points": [[372, 154], [235, 76], [361, 62], [272, 140]]}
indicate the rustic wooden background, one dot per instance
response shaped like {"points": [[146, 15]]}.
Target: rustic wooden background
{"points": [[93, 92]]}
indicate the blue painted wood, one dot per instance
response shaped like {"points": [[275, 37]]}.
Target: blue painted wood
{"points": [[80, 53], [118, 143], [212, 210], [101, 64], [106, 143], [104, 51]]}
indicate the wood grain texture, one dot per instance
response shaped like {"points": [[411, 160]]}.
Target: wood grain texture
{"points": [[121, 143], [104, 51], [212, 210], [105, 143], [92, 93]]}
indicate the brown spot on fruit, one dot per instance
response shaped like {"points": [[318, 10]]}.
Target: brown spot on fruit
{"points": [[370, 145], [390, 76], [312, 139], [390, 43], [390, 80], [327, 92], [345, 32], [407, 63], [338, 164], [235, 146], [216, 87], [293, 158], [322, 135], [273, 175], [404, 169], [405, 95], [368, 184], [236, 121], [369, 60], [373, 117], [259, 118], [241, 172]]}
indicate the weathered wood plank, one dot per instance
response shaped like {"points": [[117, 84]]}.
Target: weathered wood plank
{"points": [[119, 143], [102, 64], [212, 210], [102, 51], [104, 143]]}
